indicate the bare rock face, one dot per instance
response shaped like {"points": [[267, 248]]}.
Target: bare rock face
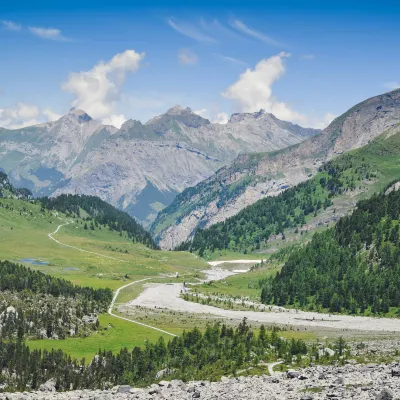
{"points": [[254, 176], [141, 167]]}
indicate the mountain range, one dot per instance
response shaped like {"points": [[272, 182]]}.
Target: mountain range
{"points": [[253, 176], [139, 168]]}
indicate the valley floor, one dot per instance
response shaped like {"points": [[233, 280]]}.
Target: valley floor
{"points": [[167, 296]]}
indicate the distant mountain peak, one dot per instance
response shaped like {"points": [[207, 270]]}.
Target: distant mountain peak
{"points": [[239, 117], [80, 115], [177, 113], [178, 110], [129, 124]]}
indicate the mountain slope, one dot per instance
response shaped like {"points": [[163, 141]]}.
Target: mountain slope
{"points": [[101, 213], [354, 175], [354, 267], [139, 168], [255, 176], [39, 157]]}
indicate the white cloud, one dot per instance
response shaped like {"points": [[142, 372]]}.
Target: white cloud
{"points": [[322, 123], [232, 60], [19, 116], [203, 112], [97, 90], [221, 118], [253, 90], [22, 115], [392, 85], [11, 26], [241, 27], [187, 57], [51, 115], [115, 119], [190, 31], [47, 33]]}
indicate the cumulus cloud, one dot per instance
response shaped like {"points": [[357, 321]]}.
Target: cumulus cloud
{"points": [[203, 112], [253, 90], [219, 117], [11, 25], [51, 115], [47, 33], [392, 85], [23, 114], [19, 116], [322, 123], [97, 90], [187, 57], [243, 28]]}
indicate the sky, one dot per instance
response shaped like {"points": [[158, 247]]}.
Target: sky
{"points": [[304, 61]]}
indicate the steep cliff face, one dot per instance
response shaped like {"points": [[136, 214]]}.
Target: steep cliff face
{"points": [[141, 167], [254, 176]]}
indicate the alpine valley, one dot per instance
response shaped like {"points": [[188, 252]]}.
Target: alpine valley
{"points": [[139, 168], [253, 176]]}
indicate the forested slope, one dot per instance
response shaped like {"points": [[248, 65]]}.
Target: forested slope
{"points": [[101, 212], [36, 305], [354, 267], [359, 172]]}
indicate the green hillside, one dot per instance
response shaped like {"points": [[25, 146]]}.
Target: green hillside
{"points": [[354, 267], [100, 213], [102, 256], [354, 175]]}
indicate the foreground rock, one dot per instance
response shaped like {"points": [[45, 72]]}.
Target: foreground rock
{"points": [[314, 383]]}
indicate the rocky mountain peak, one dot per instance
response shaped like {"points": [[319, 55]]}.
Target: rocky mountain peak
{"points": [[184, 116], [80, 115], [130, 124], [179, 110], [242, 117]]}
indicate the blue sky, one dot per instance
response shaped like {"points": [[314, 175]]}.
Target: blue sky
{"points": [[305, 61]]}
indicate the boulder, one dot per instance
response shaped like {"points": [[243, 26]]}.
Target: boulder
{"points": [[395, 372], [124, 389], [385, 394], [49, 386], [292, 374]]}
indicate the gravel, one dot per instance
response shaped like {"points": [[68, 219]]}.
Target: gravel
{"points": [[357, 382]]}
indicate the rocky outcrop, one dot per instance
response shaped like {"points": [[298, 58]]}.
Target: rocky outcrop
{"points": [[254, 176], [364, 382]]}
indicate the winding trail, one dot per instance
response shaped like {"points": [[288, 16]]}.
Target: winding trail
{"points": [[272, 365], [110, 309], [50, 235]]}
